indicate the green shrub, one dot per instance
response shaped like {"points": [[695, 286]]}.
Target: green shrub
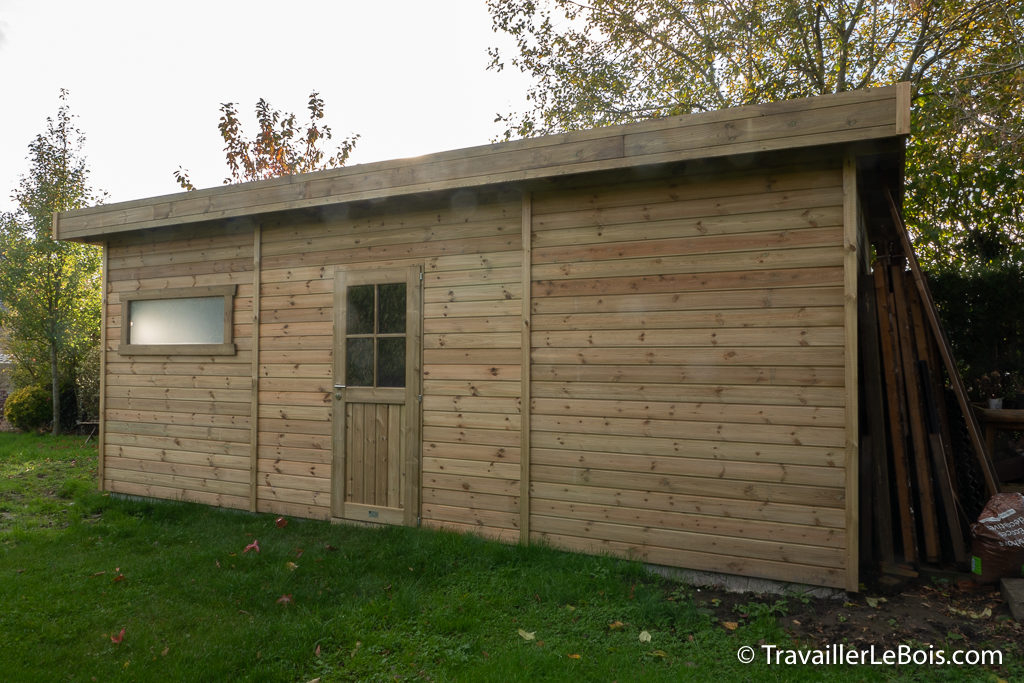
{"points": [[29, 409], [983, 314]]}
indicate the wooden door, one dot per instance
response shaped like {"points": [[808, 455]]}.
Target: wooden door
{"points": [[377, 351]]}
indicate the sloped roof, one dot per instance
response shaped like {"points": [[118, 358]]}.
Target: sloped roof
{"points": [[849, 117]]}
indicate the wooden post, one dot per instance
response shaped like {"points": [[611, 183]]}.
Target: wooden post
{"points": [[101, 433], [894, 390], [524, 371], [905, 336], [254, 411], [851, 221]]}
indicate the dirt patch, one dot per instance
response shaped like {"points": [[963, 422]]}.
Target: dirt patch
{"points": [[951, 613]]}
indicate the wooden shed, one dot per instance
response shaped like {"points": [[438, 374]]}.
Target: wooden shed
{"points": [[638, 340]]}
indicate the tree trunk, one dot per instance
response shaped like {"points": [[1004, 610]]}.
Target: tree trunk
{"points": [[55, 385]]}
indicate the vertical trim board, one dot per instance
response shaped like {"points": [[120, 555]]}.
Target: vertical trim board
{"points": [[851, 212], [524, 371], [254, 413], [102, 431]]}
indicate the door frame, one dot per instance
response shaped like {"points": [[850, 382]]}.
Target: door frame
{"points": [[411, 395]]}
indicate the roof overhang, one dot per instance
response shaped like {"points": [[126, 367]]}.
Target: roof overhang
{"points": [[862, 116]]}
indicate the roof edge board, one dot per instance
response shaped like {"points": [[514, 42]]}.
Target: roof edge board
{"points": [[829, 119]]}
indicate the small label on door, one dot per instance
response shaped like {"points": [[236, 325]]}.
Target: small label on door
{"points": [[373, 514]]}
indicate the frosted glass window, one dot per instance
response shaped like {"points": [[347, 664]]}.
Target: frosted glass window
{"points": [[195, 320], [178, 321]]}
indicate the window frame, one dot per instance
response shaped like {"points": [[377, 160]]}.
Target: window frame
{"points": [[226, 348]]}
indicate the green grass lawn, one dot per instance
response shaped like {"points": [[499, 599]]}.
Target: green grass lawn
{"points": [[332, 602]]}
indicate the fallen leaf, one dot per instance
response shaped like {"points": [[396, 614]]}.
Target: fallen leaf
{"points": [[291, 566], [119, 577], [873, 602], [616, 626], [575, 657], [281, 522], [299, 552], [314, 680], [570, 608], [99, 573], [527, 635], [116, 640], [317, 651], [645, 637], [254, 546], [328, 546], [285, 599], [657, 653], [731, 625], [163, 653]]}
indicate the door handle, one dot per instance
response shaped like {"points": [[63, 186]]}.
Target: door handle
{"points": [[338, 389]]}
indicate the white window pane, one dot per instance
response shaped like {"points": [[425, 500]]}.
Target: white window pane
{"points": [[196, 320]]}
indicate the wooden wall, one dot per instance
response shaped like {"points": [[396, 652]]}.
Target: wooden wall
{"points": [[687, 386], [688, 370], [178, 426], [470, 252]]}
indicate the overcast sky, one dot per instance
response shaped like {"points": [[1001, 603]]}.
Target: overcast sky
{"points": [[147, 78]]}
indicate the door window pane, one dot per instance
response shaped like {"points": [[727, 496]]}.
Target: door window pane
{"points": [[359, 362], [360, 310], [391, 311], [391, 362]]}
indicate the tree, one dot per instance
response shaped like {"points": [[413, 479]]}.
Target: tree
{"points": [[50, 291], [280, 148], [601, 62]]}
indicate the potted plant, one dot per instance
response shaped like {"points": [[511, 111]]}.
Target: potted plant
{"points": [[991, 387]]}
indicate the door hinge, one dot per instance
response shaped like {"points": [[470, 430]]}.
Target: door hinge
{"points": [[419, 397], [421, 276]]}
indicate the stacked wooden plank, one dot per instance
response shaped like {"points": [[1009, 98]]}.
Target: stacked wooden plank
{"points": [[924, 467], [915, 515]]}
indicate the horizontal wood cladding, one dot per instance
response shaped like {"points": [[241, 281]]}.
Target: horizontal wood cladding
{"points": [[470, 403], [682, 390], [177, 426], [825, 120], [687, 379]]}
